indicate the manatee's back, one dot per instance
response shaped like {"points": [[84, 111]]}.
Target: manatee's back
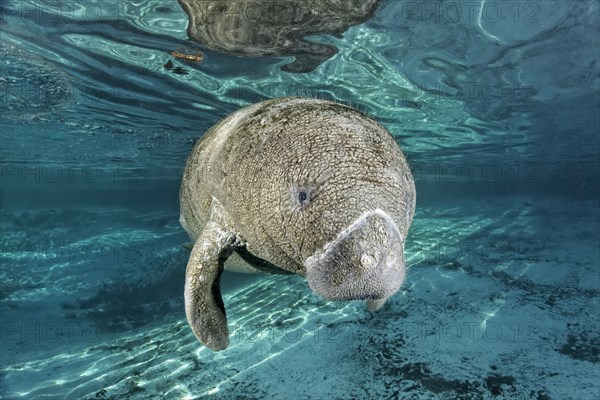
{"points": [[204, 173], [255, 159]]}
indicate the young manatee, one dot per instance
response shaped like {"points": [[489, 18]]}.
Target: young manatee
{"points": [[295, 185]]}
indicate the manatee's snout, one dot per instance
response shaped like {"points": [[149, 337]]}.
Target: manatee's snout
{"points": [[365, 262]]}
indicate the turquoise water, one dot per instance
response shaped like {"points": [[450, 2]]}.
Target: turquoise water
{"points": [[494, 103]]}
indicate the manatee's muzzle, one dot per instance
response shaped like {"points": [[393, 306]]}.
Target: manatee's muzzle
{"points": [[365, 262]]}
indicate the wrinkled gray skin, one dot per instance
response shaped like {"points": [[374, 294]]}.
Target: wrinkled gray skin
{"points": [[274, 28], [295, 185]]}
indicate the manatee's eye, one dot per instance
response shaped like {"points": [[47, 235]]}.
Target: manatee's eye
{"points": [[302, 196]]}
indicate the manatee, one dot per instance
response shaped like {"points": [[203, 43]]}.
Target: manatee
{"points": [[294, 185], [274, 28]]}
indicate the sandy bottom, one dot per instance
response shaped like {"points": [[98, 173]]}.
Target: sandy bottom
{"points": [[501, 302]]}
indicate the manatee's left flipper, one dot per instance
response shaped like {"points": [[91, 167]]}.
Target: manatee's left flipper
{"points": [[374, 305], [204, 306]]}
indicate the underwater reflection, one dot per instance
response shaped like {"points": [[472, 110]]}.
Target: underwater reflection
{"points": [[274, 28]]}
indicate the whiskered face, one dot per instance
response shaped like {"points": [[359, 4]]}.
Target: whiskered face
{"points": [[366, 261], [345, 222]]}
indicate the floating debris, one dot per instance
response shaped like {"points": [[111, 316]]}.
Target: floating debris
{"points": [[196, 58]]}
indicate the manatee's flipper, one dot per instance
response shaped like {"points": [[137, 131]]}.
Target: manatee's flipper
{"points": [[374, 305], [204, 306]]}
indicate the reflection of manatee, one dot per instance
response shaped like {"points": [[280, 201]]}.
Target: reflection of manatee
{"points": [[274, 28]]}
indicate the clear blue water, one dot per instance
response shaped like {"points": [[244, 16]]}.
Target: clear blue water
{"points": [[496, 106]]}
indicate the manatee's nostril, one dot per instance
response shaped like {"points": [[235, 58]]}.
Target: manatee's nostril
{"points": [[391, 260], [367, 260]]}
